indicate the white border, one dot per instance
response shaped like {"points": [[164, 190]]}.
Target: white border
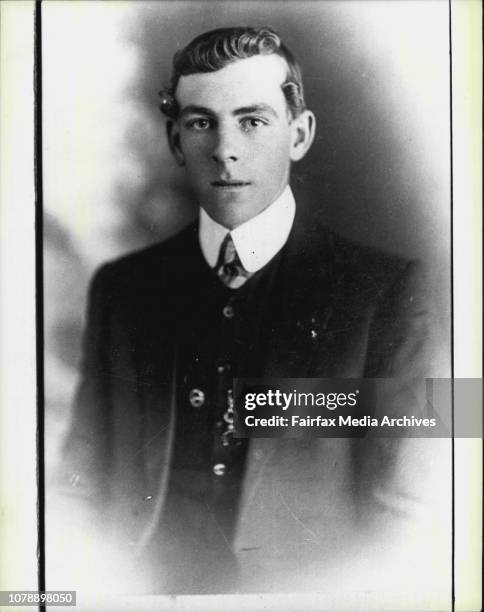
{"points": [[17, 299], [18, 485], [467, 242]]}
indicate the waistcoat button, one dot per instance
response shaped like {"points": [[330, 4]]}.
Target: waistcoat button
{"points": [[219, 469], [197, 398], [228, 311]]}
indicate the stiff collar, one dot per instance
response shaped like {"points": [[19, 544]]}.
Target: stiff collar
{"points": [[257, 240]]}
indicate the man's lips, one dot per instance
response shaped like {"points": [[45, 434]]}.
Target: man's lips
{"points": [[230, 183]]}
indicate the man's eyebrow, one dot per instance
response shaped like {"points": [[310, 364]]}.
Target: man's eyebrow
{"points": [[256, 108], [193, 109]]}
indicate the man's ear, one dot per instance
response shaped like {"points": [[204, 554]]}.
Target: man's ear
{"points": [[173, 134], [303, 131]]}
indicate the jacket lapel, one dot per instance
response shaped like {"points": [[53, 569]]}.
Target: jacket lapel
{"points": [[305, 295], [156, 356]]}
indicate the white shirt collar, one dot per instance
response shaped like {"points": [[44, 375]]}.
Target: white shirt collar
{"points": [[257, 240]]}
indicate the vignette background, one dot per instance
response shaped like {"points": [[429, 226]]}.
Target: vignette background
{"points": [[376, 75]]}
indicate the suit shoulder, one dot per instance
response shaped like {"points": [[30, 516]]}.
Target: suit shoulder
{"points": [[361, 269], [364, 276], [365, 259], [141, 264]]}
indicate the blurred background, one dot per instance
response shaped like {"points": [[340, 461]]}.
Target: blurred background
{"points": [[376, 75]]}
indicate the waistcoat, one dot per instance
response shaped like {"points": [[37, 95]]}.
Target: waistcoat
{"points": [[223, 334]]}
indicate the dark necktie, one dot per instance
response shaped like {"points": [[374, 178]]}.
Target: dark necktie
{"points": [[229, 267]]}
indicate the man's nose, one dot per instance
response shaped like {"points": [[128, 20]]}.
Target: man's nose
{"points": [[226, 147]]}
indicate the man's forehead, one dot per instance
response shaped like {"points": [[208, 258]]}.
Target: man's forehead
{"points": [[237, 84]]}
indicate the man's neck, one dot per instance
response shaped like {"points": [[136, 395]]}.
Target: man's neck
{"points": [[257, 240]]}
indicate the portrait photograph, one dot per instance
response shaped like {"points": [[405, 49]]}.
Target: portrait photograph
{"points": [[258, 191]]}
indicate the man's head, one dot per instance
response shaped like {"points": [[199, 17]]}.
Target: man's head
{"points": [[237, 118]]}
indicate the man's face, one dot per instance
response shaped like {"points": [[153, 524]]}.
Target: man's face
{"points": [[235, 137]]}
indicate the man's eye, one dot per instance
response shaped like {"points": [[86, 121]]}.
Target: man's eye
{"points": [[249, 123], [198, 124]]}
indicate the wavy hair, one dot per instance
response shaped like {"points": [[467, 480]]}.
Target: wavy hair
{"points": [[216, 49]]}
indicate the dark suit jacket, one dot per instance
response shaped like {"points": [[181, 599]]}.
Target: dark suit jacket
{"points": [[307, 507]]}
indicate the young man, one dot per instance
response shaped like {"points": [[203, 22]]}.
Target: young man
{"points": [[255, 288]]}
